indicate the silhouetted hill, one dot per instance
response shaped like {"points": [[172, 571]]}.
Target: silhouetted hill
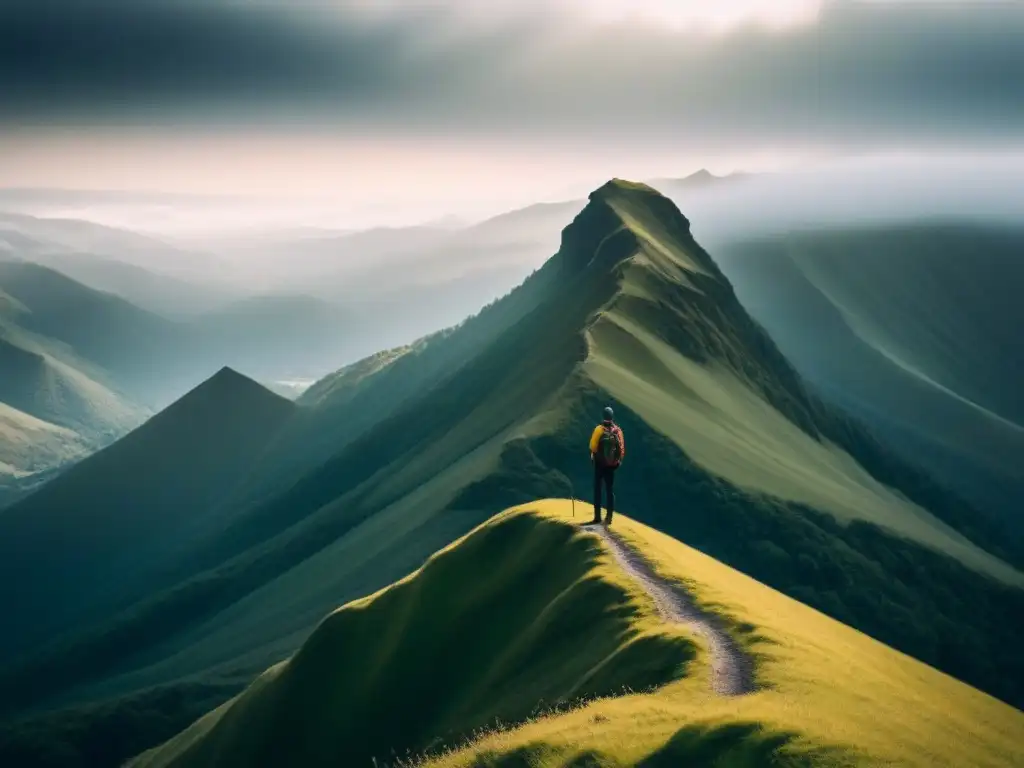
{"points": [[89, 538]]}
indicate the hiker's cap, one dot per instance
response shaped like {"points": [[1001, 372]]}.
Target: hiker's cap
{"points": [[609, 414]]}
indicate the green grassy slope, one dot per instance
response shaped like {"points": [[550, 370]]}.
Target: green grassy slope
{"points": [[134, 347], [44, 376], [527, 613], [54, 390], [749, 501], [91, 537], [67, 406], [523, 611], [234, 575], [341, 386], [912, 328], [384, 475], [381, 476], [699, 376], [948, 311], [428, 442]]}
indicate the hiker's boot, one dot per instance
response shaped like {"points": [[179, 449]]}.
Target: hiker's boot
{"points": [[607, 520]]}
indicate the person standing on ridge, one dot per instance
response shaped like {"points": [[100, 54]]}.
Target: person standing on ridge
{"points": [[607, 450]]}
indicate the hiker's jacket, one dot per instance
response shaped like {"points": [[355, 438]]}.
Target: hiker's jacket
{"points": [[595, 438]]}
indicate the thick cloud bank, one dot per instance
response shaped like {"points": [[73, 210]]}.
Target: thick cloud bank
{"points": [[854, 74]]}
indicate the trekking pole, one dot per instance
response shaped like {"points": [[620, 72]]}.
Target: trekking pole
{"points": [[572, 495]]}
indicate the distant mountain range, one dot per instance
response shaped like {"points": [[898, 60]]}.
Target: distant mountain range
{"points": [[206, 546], [82, 367], [40, 238]]}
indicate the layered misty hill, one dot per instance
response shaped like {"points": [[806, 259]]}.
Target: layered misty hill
{"points": [[208, 299], [144, 270], [394, 457], [58, 402], [82, 367], [915, 329]]}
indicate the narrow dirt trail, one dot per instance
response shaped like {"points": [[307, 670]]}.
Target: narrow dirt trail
{"points": [[732, 670]]}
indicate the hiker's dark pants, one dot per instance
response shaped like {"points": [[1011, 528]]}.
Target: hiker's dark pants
{"points": [[605, 475]]}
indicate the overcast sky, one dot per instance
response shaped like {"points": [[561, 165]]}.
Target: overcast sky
{"points": [[487, 100]]}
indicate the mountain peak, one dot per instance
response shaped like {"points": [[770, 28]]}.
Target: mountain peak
{"points": [[634, 199], [620, 217], [702, 175], [617, 187], [228, 380], [227, 374], [227, 388]]}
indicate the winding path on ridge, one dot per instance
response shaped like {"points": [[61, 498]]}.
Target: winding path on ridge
{"points": [[732, 670]]}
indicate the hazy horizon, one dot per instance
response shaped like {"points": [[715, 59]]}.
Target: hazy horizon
{"points": [[356, 114], [289, 126], [848, 190]]}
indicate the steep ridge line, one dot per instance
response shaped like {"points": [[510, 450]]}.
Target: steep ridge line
{"points": [[732, 670]]}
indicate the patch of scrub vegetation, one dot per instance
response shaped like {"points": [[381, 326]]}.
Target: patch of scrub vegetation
{"points": [[524, 611]]}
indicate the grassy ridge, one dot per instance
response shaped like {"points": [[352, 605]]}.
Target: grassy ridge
{"points": [[831, 696], [417, 459], [520, 613], [526, 612], [677, 347], [902, 593]]}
